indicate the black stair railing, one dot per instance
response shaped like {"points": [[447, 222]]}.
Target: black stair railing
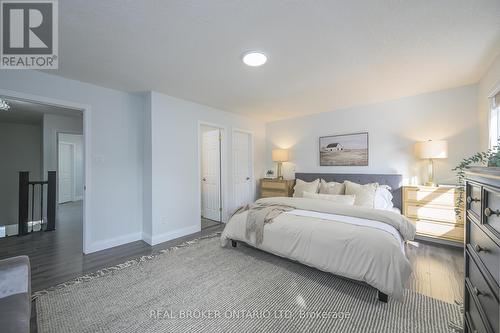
{"points": [[27, 206]]}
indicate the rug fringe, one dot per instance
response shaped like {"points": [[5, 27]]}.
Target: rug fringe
{"points": [[108, 270]]}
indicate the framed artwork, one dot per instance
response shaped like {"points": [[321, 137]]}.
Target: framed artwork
{"points": [[344, 150]]}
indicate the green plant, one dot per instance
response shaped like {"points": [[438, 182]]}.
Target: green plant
{"points": [[491, 157]]}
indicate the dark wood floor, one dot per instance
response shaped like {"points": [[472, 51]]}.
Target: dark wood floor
{"points": [[207, 223], [57, 257], [438, 270]]}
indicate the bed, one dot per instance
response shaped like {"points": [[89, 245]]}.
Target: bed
{"points": [[358, 243]]}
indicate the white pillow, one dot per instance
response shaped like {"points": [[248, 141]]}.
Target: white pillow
{"points": [[365, 194], [331, 187], [302, 186], [383, 198], [337, 198]]}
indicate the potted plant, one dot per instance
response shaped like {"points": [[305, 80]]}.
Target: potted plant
{"points": [[269, 174], [488, 158]]}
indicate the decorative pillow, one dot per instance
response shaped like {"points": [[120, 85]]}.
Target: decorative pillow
{"points": [[302, 186], [383, 198], [365, 194], [331, 188], [337, 198]]}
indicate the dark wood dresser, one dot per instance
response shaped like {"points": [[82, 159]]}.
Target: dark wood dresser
{"points": [[482, 254]]}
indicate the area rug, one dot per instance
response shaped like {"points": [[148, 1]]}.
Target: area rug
{"points": [[201, 287]]}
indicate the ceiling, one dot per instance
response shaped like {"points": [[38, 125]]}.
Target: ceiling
{"points": [[322, 54], [23, 112]]}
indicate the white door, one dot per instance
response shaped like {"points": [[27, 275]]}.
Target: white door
{"points": [[66, 172], [242, 169], [210, 175]]}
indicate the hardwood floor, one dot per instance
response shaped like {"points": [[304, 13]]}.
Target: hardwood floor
{"points": [[207, 223], [438, 270]]}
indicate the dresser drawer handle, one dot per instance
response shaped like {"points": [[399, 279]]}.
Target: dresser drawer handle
{"points": [[479, 248], [488, 212], [470, 199], [477, 291]]}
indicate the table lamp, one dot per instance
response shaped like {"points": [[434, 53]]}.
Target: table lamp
{"points": [[280, 156], [431, 150]]}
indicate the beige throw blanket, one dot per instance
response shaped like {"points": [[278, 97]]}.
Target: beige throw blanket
{"points": [[260, 213]]}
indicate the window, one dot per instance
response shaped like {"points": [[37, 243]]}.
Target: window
{"points": [[495, 119]]}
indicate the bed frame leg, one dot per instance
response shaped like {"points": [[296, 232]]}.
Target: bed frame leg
{"points": [[382, 297], [233, 243]]}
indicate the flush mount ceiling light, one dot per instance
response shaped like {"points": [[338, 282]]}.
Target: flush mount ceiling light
{"points": [[4, 106], [254, 58]]}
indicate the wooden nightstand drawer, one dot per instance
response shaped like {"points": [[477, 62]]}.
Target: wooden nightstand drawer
{"points": [[438, 230], [273, 185], [441, 196], [428, 212], [270, 194], [276, 188]]}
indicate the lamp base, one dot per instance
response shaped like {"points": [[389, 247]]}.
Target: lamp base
{"points": [[279, 171]]}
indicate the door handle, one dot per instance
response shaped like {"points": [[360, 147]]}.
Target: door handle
{"points": [[204, 179], [248, 178]]}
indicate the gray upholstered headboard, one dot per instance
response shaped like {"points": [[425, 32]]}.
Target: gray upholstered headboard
{"points": [[394, 181]]}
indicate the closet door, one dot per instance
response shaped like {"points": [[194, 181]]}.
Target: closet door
{"points": [[210, 175]]}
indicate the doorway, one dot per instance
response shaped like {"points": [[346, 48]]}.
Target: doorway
{"points": [[54, 116], [211, 175]]}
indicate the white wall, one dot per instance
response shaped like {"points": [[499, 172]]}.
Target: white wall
{"points": [[489, 83], [173, 133], [393, 128], [77, 141], [20, 150], [115, 131]]}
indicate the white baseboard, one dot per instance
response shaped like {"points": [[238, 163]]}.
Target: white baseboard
{"points": [[147, 238], [164, 237], [109, 243]]}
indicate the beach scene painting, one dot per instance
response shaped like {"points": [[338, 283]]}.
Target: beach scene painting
{"points": [[344, 150]]}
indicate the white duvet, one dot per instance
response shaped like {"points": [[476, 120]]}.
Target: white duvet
{"points": [[333, 240]]}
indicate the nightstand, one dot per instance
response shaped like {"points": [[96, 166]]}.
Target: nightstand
{"points": [[433, 211], [276, 187]]}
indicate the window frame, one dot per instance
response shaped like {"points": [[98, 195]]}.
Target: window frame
{"points": [[493, 118]]}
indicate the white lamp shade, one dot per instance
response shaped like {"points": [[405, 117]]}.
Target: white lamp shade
{"points": [[280, 155], [432, 149]]}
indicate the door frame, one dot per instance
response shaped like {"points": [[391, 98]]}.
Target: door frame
{"points": [[74, 164], [252, 160], [223, 168], [87, 151]]}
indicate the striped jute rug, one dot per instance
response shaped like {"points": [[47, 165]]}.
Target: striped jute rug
{"points": [[201, 287]]}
